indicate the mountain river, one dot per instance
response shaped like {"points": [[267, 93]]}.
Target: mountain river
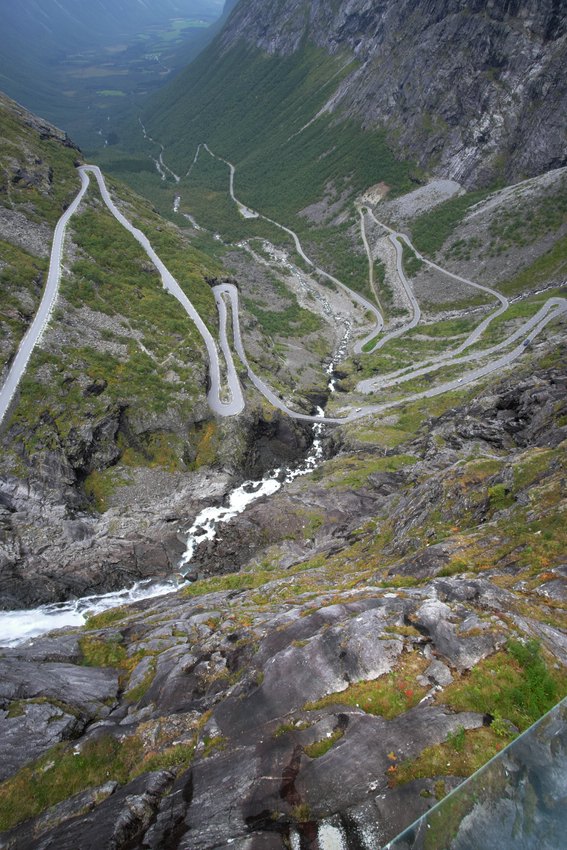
{"points": [[19, 626]]}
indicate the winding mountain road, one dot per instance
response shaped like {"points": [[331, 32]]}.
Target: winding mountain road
{"points": [[228, 294], [528, 331], [236, 403], [480, 328], [224, 408], [358, 299]]}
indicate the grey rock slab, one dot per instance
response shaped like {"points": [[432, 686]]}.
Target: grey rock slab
{"points": [[173, 685], [76, 530], [439, 673], [26, 736], [382, 817], [170, 817], [434, 618], [60, 648], [328, 663], [425, 564], [483, 593], [156, 644], [85, 687], [295, 626], [357, 764], [140, 671], [220, 786], [555, 589]]}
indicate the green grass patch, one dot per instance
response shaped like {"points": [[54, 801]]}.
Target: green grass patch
{"points": [[410, 261], [551, 266], [519, 226], [432, 229], [60, 773], [207, 445], [97, 652], [499, 497], [353, 471], [100, 486], [515, 684], [22, 278], [474, 748], [476, 471], [177, 757], [319, 748], [213, 744], [292, 321], [388, 696], [136, 693], [536, 464], [106, 618], [232, 581]]}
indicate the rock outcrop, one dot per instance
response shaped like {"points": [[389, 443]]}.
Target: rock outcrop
{"points": [[474, 91], [275, 749]]}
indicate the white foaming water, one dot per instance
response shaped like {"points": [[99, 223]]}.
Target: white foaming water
{"points": [[331, 836], [19, 626], [206, 522], [340, 355]]}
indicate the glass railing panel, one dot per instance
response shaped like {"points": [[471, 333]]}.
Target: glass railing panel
{"points": [[517, 801]]}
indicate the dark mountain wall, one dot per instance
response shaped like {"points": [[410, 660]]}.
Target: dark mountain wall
{"points": [[475, 90]]}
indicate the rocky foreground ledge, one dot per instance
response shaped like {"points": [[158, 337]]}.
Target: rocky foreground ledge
{"points": [[242, 716]]}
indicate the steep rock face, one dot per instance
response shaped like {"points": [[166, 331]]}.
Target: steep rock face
{"points": [[475, 90]]}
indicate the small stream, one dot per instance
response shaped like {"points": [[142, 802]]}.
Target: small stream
{"points": [[339, 355], [19, 626]]}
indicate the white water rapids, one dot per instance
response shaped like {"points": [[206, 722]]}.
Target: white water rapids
{"points": [[19, 626], [206, 523]]}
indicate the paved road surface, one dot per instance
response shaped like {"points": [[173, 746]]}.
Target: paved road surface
{"points": [[224, 408], [35, 330], [230, 407], [550, 311]]}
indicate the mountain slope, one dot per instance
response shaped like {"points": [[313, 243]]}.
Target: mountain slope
{"points": [[115, 391], [402, 618], [476, 93], [350, 648]]}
